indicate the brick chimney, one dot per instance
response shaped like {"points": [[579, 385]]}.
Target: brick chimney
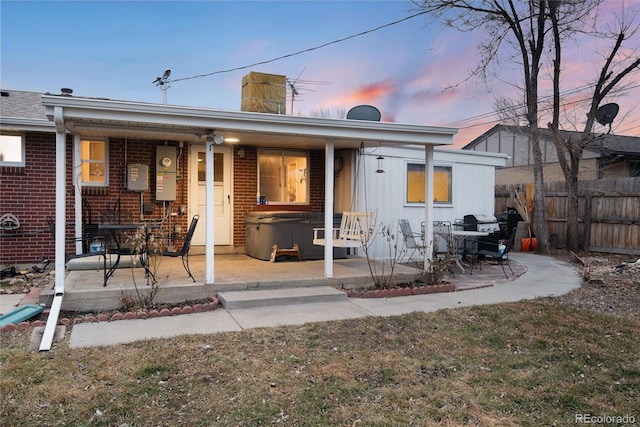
{"points": [[264, 93]]}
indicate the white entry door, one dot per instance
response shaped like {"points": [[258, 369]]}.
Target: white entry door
{"points": [[222, 198]]}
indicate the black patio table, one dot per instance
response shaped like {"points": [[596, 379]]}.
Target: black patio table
{"points": [[113, 230]]}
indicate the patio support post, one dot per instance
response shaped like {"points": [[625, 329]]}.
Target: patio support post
{"points": [[59, 240], [210, 225], [428, 206], [328, 208], [77, 165]]}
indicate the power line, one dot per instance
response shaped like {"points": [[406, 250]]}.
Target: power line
{"points": [[518, 106], [489, 115], [542, 100], [289, 55]]}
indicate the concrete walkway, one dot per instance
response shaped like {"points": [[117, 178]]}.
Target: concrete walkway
{"points": [[545, 277]]}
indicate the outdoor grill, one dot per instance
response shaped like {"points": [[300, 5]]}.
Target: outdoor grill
{"points": [[486, 223], [481, 222]]}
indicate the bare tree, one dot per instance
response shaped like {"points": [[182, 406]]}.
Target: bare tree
{"points": [[328, 113], [618, 64], [524, 27]]}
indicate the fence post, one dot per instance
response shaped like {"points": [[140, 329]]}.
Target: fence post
{"points": [[586, 244]]}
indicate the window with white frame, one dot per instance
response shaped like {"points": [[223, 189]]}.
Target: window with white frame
{"points": [[12, 150], [442, 192], [94, 168], [283, 176]]}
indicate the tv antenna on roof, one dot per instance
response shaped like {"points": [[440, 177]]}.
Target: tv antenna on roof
{"points": [[163, 82], [295, 90]]}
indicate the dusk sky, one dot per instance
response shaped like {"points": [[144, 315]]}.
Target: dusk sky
{"points": [[117, 49]]}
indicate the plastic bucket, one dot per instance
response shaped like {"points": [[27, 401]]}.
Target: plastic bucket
{"points": [[529, 244], [95, 246]]}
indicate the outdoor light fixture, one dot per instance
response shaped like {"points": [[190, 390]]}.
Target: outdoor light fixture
{"points": [[217, 139], [379, 159]]}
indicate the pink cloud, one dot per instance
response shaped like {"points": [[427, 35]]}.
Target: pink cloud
{"points": [[372, 92]]}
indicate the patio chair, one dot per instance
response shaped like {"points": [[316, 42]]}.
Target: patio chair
{"points": [[89, 228], [495, 254], [409, 237], [184, 251], [113, 215], [444, 248], [98, 247]]}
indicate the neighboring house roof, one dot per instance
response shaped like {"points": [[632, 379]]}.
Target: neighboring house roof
{"points": [[606, 145], [22, 111], [617, 144]]}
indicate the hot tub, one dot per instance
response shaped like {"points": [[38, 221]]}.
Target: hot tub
{"points": [[284, 228]]}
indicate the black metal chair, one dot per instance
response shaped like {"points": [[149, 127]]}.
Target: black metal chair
{"points": [[89, 228], [97, 250], [495, 254], [184, 252]]}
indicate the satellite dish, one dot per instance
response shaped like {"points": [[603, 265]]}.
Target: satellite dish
{"points": [[606, 113], [166, 74], [364, 112]]}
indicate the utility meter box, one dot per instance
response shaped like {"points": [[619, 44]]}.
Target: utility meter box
{"points": [[165, 186], [137, 177], [166, 168]]}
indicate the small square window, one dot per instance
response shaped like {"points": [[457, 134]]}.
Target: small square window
{"points": [[442, 193], [12, 150], [95, 170]]}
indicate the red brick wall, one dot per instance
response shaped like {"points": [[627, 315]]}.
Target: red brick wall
{"points": [[121, 153], [316, 181], [29, 194], [245, 187]]}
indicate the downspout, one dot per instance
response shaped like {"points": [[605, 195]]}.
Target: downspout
{"points": [[58, 289], [329, 155], [77, 165], [428, 206]]}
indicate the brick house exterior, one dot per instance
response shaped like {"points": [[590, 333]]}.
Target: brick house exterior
{"points": [[28, 192]]}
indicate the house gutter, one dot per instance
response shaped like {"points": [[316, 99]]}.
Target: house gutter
{"points": [[58, 290], [26, 125], [100, 112]]}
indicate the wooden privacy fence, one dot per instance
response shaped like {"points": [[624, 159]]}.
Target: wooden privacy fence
{"points": [[608, 213]]}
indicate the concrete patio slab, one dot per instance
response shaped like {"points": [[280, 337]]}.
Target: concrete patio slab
{"points": [[9, 303], [233, 272]]}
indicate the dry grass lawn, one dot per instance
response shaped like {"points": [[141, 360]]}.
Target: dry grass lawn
{"points": [[522, 364]]}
